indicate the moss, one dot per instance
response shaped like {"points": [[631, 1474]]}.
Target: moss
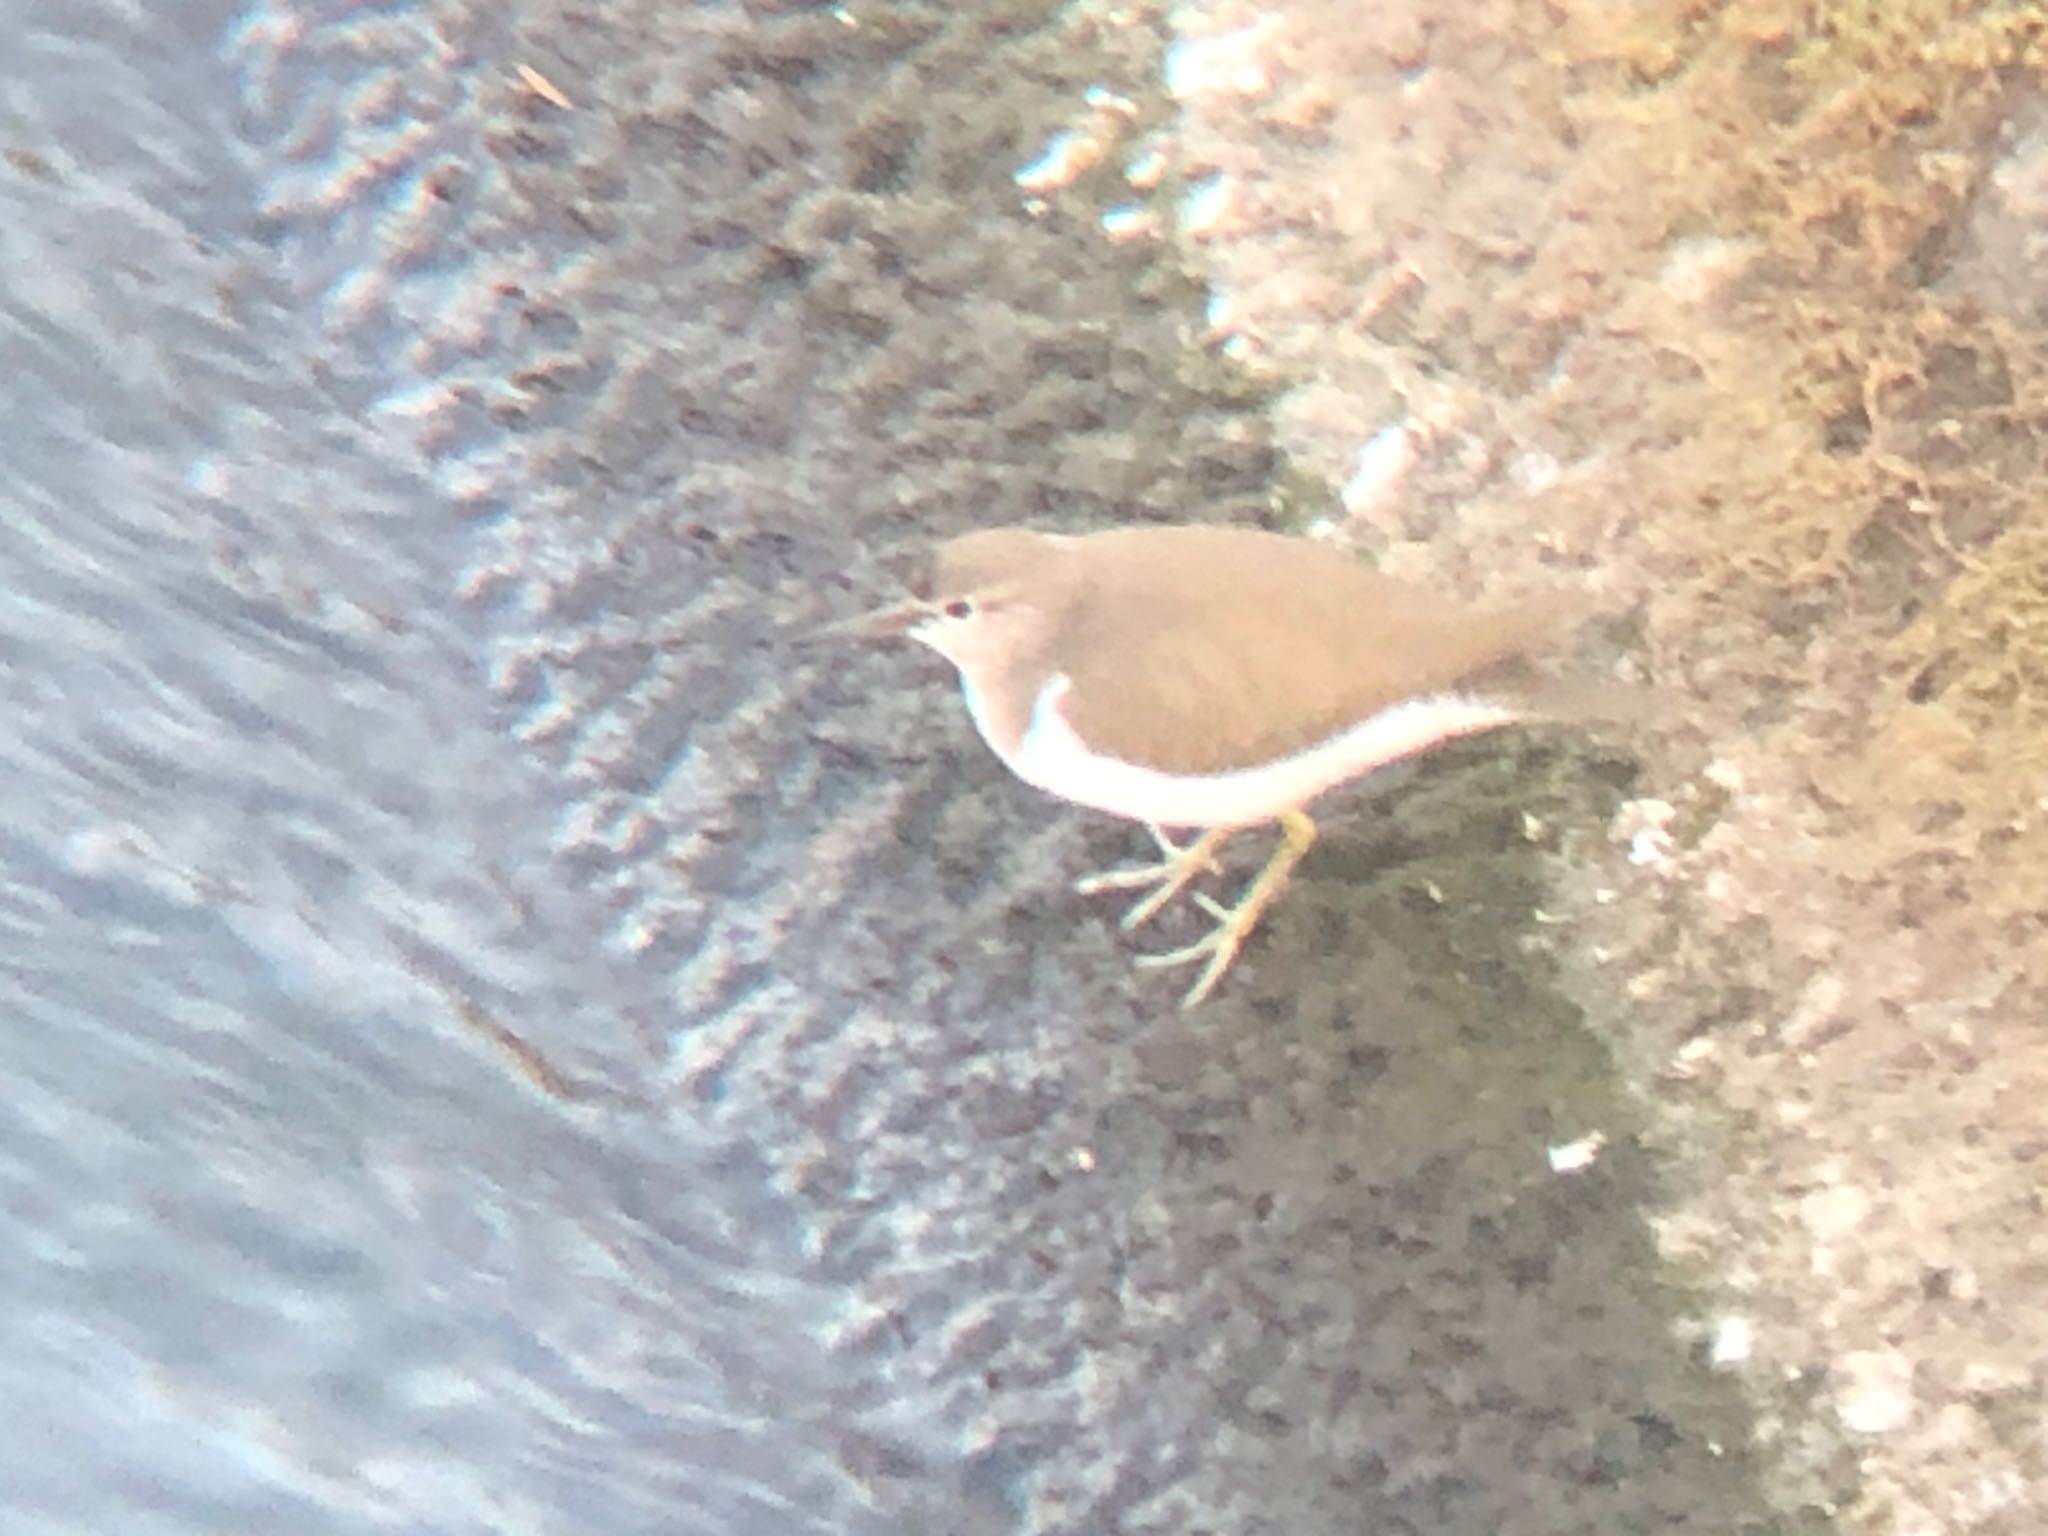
{"points": [[1850, 197], [1985, 649]]}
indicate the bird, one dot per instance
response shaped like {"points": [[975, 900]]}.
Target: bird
{"points": [[1204, 679]]}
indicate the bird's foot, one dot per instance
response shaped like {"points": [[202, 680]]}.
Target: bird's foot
{"points": [[1220, 945], [1176, 866], [1235, 923]]}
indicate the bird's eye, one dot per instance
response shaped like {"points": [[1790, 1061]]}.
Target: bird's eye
{"points": [[959, 608]]}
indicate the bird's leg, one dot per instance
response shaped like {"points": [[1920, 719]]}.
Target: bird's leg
{"points": [[1235, 923], [1176, 866]]}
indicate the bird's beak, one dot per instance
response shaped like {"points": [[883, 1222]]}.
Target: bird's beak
{"points": [[882, 624]]}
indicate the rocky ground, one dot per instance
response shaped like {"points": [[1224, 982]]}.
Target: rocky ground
{"points": [[1733, 316]]}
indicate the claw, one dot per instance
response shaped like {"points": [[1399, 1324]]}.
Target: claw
{"points": [[1177, 865]]}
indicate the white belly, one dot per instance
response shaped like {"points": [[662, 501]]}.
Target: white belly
{"points": [[1057, 761]]}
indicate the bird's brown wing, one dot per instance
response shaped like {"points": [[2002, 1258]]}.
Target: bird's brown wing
{"points": [[1209, 649]]}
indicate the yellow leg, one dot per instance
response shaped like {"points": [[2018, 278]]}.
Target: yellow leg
{"points": [[1177, 865], [1234, 924]]}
